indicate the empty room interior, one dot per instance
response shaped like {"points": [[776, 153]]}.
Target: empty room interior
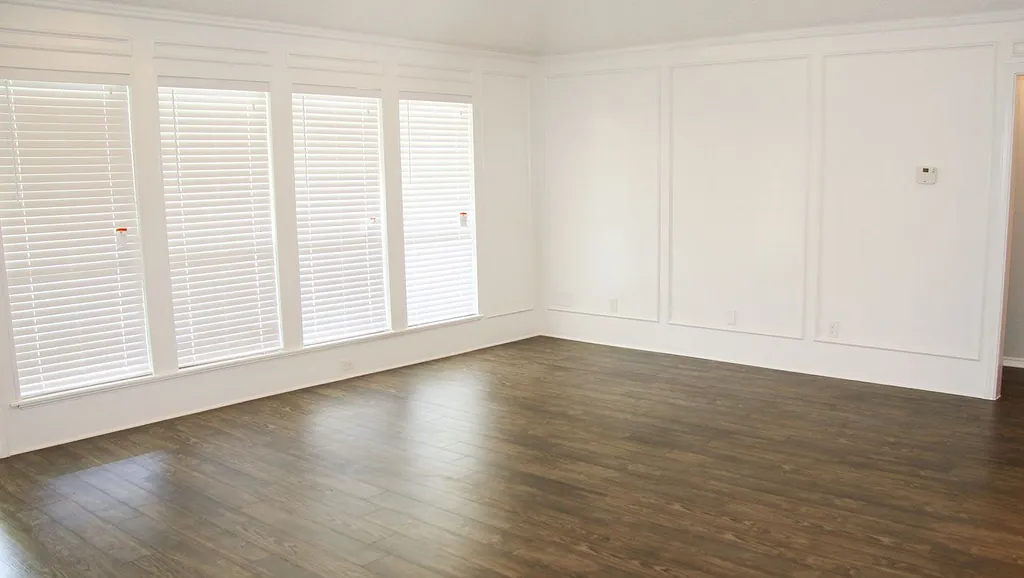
{"points": [[511, 288]]}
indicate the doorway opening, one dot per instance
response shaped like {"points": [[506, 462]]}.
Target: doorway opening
{"points": [[1013, 322]]}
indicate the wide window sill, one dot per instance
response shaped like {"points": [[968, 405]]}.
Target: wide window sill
{"points": [[152, 379]]}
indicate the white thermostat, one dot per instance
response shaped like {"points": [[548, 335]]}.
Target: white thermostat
{"points": [[927, 175]]}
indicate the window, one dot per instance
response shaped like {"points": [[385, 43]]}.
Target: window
{"points": [[437, 203], [68, 220], [338, 196], [216, 166]]}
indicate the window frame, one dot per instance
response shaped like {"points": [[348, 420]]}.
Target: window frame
{"points": [[144, 112], [439, 97], [173, 82], [7, 335], [385, 216]]}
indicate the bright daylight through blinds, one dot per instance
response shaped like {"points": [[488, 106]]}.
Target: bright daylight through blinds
{"points": [[216, 167], [339, 201], [437, 202], [70, 235]]}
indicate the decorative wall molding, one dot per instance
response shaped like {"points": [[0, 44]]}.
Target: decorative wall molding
{"points": [[638, 298], [29, 50], [673, 72], [52, 41], [830, 57], [182, 52], [442, 73], [335, 72], [1001, 17], [433, 79], [964, 369], [127, 11], [321, 63]]}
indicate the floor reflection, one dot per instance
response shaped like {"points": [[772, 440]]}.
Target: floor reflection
{"points": [[543, 458]]}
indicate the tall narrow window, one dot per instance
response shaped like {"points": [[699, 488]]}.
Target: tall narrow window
{"points": [[437, 203], [219, 223], [71, 249], [338, 195]]}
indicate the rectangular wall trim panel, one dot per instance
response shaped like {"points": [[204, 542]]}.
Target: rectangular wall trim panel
{"points": [[507, 272], [902, 264], [602, 164], [740, 166], [65, 42], [214, 54]]}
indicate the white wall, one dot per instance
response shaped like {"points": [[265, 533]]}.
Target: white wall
{"points": [[787, 203], [45, 43]]}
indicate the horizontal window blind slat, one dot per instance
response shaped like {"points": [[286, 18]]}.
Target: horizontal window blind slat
{"points": [[71, 380], [127, 363], [326, 269], [70, 351], [369, 306], [102, 314], [229, 350], [207, 306], [223, 326]]}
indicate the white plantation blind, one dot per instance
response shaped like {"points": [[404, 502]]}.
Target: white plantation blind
{"points": [[216, 166], [339, 203], [437, 201], [75, 284]]}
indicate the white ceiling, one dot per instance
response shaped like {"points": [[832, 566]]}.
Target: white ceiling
{"points": [[560, 26]]}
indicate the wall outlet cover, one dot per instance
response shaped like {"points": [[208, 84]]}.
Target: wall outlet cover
{"points": [[833, 330]]}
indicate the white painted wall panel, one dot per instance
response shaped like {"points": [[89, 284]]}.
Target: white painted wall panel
{"points": [[739, 196], [602, 181], [902, 264], [505, 220]]}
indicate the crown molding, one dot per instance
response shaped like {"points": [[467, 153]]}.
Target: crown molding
{"points": [[1000, 17], [175, 16], [179, 17]]}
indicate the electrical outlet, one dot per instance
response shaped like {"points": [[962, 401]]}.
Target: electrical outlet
{"points": [[731, 317], [613, 305], [833, 330]]}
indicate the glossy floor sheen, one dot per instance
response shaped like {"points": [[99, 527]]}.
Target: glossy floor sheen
{"points": [[540, 458]]}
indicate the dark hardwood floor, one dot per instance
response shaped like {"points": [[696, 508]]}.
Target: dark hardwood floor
{"points": [[539, 458]]}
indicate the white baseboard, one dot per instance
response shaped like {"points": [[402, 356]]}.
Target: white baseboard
{"points": [[64, 421], [939, 374], [1016, 362]]}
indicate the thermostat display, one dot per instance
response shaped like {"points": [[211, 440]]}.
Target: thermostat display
{"points": [[927, 175]]}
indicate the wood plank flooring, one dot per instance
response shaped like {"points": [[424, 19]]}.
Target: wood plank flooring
{"points": [[539, 458]]}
